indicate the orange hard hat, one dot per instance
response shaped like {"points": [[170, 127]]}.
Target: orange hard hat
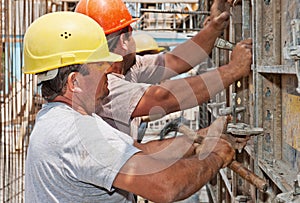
{"points": [[111, 15]]}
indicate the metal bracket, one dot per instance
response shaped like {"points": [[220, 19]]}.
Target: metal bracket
{"points": [[243, 129], [287, 197], [242, 198], [228, 110], [293, 52], [214, 108]]}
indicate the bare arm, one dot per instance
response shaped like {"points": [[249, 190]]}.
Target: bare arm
{"points": [[172, 148], [181, 60], [176, 95], [155, 180]]}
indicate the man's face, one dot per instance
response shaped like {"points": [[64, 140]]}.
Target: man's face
{"points": [[129, 57], [93, 87], [126, 47]]}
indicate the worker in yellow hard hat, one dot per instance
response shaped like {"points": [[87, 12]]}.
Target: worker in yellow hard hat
{"points": [[75, 156], [146, 44], [145, 93]]}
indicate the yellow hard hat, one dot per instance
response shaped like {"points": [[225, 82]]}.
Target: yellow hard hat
{"points": [[145, 42], [64, 38]]}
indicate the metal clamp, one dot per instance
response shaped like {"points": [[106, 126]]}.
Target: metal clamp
{"points": [[214, 108], [243, 129], [228, 110], [223, 44]]}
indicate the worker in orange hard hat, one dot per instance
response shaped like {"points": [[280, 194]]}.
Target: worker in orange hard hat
{"points": [[145, 44], [142, 92]]}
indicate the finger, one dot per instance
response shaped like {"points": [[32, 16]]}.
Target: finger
{"points": [[246, 41], [223, 17]]}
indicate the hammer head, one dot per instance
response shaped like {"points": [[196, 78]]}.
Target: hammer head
{"points": [[171, 126]]}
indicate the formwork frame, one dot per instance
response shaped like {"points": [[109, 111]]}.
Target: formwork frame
{"points": [[269, 95], [271, 99]]}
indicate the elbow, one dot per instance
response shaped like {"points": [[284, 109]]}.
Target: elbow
{"points": [[157, 101], [166, 100]]}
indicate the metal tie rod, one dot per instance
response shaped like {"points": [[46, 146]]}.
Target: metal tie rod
{"points": [[175, 11]]}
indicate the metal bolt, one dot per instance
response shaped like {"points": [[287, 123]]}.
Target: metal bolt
{"points": [[267, 2]]}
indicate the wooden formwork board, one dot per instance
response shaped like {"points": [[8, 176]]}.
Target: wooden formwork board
{"points": [[276, 106], [291, 98], [269, 94], [291, 122]]}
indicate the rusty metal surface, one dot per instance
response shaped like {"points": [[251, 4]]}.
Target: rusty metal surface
{"points": [[280, 173]]}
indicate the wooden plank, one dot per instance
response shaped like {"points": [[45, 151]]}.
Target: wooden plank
{"points": [[290, 114]]}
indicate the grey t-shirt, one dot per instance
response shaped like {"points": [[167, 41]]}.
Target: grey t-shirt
{"points": [[75, 158], [120, 103], [124, 95], [148, 69]]}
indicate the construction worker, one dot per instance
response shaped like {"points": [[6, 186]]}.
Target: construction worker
{"points": [[73, 155], [135, 98], [146, 44]]}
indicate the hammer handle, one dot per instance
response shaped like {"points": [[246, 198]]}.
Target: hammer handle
{"points": [[237, 167], [248, 175]]}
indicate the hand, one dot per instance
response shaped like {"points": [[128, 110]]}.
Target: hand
{"points": [[219, 16], [241, 58], [237, 143], [233, 2], [206, 21], [217, 146]]}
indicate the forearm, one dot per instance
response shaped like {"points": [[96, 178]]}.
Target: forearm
{"points": [[171, 148], [192, 91], [181, 94], [191, 53], [166, 186]]}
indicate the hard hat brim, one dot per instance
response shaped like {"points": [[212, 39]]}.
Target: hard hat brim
{"points": [[160, 49], [112, 57], [117, 28], [48, 75], [157, 50]]}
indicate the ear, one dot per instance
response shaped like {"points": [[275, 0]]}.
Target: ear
{"points": [[124, 42], [72, 83]]}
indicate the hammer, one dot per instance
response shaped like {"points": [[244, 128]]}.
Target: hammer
{"points": [[235, 166]]}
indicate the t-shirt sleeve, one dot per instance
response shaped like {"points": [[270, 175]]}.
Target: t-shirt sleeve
{"points": [[148, 69], [122, 99], [104, 150]]}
